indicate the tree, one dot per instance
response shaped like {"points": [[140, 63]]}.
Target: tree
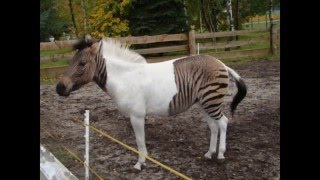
{"points": [[213, 14], [108, 18], [153, 17], [50, 23], [73, 19], [84, 15], [96, 17], [251, 8], [229, 16]]}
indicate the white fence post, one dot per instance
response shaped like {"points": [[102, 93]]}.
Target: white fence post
{"points": [[86, 156]]}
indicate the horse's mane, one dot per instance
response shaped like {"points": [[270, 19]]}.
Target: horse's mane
{"points": [[83, 43], [112, 47]]}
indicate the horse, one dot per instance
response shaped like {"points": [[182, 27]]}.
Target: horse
{"points": [[164, 89]]}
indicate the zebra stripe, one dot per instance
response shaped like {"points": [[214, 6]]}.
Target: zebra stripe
{"points": [[199, 78], [213, 98], [101, 72]]}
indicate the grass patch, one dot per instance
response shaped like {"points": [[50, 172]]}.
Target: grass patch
{"points": [[260, 25], [255, 26], [260, 45], [49, 80], [61, 62], [54, 51], [255, 35]]}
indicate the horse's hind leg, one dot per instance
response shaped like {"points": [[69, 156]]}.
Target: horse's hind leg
{"points": [[211, 102], [215, 125], [222, 123], [214, 135], [138, 127]]}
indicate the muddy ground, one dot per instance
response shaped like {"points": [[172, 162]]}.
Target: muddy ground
{"points": [[253, 137]]}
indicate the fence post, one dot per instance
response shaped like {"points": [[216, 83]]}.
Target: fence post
{"points": [[192, 41], [273, 40], [86, 156]]}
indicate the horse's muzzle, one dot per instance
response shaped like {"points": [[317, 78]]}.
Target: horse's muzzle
{"points": [[62, 90]]}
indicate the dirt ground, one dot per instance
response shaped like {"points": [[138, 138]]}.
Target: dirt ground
{"points": [[253, 136]]}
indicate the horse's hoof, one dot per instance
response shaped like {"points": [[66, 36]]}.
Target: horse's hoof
{"points": [[137, 166], [208, 155], [221, 161]]}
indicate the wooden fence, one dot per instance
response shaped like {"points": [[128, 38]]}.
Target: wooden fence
{"points": [[219, 44]]}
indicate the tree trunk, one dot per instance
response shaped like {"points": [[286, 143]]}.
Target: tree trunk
{"points": [[271, 24], [270, 12], [230, 21], [72, 17], [204, 13], [230, 18], [185, 13], [84, 16], [237, 21], [237, 15]]}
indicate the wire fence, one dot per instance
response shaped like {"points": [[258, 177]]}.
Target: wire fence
{"points": [[104, 134]]}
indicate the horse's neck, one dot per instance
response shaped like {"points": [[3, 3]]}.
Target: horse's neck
{"points": [[118, 67], [120, 74]]}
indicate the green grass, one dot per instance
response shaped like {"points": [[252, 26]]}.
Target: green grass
{"points": [[265, 44], [255, 35], [49, 80], [54, 51], [255, 26], [261, 25], [62, 62]]}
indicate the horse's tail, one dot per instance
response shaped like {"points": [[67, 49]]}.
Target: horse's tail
{"points": [[242, 89]]}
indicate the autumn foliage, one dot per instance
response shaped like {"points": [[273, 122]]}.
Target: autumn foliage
{"points": [[108, 18]]}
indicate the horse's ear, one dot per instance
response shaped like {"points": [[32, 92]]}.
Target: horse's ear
{"points": [[88, 40]]}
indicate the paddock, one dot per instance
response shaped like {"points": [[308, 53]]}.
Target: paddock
{"points": [[253, 137]]}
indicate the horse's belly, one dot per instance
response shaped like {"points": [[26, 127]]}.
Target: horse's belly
{"points": [[158, 104], [160, 89]]}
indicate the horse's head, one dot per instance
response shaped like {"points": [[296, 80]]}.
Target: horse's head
{"points": [[82, 66]]}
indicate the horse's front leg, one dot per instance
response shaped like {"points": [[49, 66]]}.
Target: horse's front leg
{"points": [[138, 127]]}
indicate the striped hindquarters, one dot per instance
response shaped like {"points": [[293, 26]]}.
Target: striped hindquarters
{"points": [[199, 78], [211, 94], [187, 82]]}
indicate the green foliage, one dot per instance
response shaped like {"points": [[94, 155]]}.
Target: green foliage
{"points": [[214, 17], [153, 17], [50, 23], [251, 8], [142, 17]]}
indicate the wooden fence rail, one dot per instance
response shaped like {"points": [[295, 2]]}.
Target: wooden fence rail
{"points": [[227, 33], [187, 44], [230, 44]]}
